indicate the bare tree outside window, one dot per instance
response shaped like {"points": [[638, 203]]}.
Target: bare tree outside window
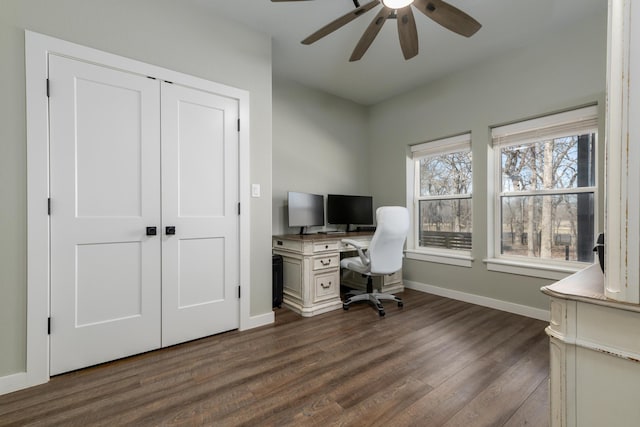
{"points": [[547, 198], [445, 213]]}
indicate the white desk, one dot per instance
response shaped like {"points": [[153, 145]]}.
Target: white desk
{"points": [[311, 271]]}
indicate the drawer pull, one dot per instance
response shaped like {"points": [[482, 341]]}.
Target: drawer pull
{"points": [[325, 286], [327, 263], [326, 246]]}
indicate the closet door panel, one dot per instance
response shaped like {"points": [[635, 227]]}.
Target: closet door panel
{"points": [[105, 191], [201, 161], [200, 262], [108, 150]]}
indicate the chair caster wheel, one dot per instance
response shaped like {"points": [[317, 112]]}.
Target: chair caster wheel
{"points": [[345, 307], [400, 304], [381, 313]]}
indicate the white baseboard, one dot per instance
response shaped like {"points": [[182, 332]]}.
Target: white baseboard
{"points": [[510, 307], [259, 320], [18, 381]]}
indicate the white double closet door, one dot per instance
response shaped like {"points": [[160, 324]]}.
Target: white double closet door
{"points": [[129, 154]]}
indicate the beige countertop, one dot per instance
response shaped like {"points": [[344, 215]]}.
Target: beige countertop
{"points": [[586, 285]]}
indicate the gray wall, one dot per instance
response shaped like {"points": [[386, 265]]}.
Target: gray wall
{"points": [[551, 74], [178, 35], [320, 146]]}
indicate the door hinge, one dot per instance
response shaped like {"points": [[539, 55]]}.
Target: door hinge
{"points": [[238, 208], [49, 326], [239, 293], [49, 206], [47, 88], [238, 125]]}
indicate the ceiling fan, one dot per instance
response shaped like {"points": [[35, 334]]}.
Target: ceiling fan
{"points": [[443, 13]]}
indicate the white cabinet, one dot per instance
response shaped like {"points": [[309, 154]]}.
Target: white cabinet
{"points": [[594, 354], [311, 271], [311, 274]]}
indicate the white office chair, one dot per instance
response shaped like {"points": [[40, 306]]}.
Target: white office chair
{"points": [[383, 257]]}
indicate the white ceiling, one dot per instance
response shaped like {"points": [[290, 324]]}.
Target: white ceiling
{"points": [[383, 72]]}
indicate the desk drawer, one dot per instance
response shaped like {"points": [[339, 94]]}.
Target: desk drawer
{"points": [[344, 247], [326, 286], [327, 261], [289, 245], [393, 278], [326, 246]]}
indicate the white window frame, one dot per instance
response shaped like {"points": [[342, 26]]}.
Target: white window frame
{"points": [[580, 120], [461, 258]]}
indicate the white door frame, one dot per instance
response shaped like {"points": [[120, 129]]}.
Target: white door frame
{"points": [[37, 49]]}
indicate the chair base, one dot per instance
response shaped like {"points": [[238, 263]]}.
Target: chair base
{"points": [[373, 298]]}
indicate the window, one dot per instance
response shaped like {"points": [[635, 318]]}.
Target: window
{"points": [[441, 195], [545, 188]]}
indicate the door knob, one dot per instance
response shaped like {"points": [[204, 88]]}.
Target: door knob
{"points": [[170, 230], [151, 231]]}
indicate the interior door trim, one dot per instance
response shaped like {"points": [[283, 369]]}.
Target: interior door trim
{"points": [[38, 47]]}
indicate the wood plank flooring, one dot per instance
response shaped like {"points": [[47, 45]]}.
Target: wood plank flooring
{"points": [[435, 362]]}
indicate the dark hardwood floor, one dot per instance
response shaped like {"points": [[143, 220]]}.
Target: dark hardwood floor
{"points": [[435, 362]]}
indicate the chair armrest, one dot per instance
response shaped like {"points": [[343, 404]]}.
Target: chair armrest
{"points": [[360, 248]]}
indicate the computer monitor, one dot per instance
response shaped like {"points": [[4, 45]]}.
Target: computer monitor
{"points": [[342, 209], [305, 210]]}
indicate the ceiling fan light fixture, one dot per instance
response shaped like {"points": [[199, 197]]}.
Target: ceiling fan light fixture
{"points": [[439, 11], [396, 4]]}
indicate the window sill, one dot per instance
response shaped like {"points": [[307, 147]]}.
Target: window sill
{"points": [[463, 259], [524, 268]]}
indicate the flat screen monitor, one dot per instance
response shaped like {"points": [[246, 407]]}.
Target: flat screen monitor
{"points": [[305, 210], [348, 210]]}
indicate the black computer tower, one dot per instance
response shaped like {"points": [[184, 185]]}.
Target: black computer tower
{"points": [[277, 281]]}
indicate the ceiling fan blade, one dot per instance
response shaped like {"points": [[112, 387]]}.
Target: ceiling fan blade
{"points": [[370, 33], [343, 20], [448, 16], [407, 32]]}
